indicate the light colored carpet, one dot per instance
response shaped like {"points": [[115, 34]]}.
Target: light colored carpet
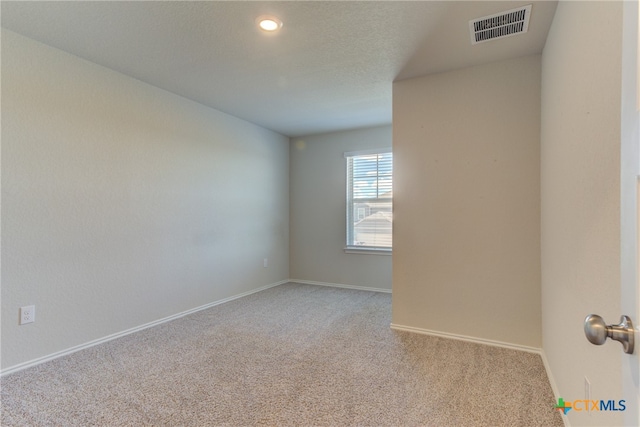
{"points": [[291, 355]]}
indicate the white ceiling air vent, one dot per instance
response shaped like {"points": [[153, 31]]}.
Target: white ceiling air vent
{"points": [[500, 25]]}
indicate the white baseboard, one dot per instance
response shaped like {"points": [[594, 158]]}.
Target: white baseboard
{"points": [[552, 382], [102, 340], [467, 338], [339, 285]]}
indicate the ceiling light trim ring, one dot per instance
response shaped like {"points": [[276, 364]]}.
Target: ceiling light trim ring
{"points": [[269, 23]]}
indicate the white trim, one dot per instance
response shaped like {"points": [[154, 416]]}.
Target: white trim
{"points": [[369, 250], [102, 340], [339, 285], [552, 382], [365, 152], [467, 338]]}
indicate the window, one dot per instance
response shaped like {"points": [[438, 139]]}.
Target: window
{"points": [[369, 200]]}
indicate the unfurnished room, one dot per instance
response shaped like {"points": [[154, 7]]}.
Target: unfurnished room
{"points": [[320, 213]]}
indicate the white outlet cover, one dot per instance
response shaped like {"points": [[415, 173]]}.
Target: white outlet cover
{"points": [[27, 314], [587, 392]]}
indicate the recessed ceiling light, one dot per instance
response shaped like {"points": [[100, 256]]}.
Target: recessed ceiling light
{"points": [[269, 23]]}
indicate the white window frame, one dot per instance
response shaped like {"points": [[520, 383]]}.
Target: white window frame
{"points": [[350, 247]]}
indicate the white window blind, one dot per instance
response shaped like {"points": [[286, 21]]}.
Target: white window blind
{"points": [[369, 200]]}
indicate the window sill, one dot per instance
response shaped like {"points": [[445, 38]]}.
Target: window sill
{"points": [[370, 251]]}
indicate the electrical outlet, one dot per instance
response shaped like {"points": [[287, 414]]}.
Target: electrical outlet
{"points": [[27, 314], [587, 393], [266, 262]]}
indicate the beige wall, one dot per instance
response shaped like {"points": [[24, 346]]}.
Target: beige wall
{"points": [[124, 204], [580, 225], [467, 202], [318, 211]]}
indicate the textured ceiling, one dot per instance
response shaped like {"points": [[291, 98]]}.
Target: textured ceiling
{"points": [[331, 66]]}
